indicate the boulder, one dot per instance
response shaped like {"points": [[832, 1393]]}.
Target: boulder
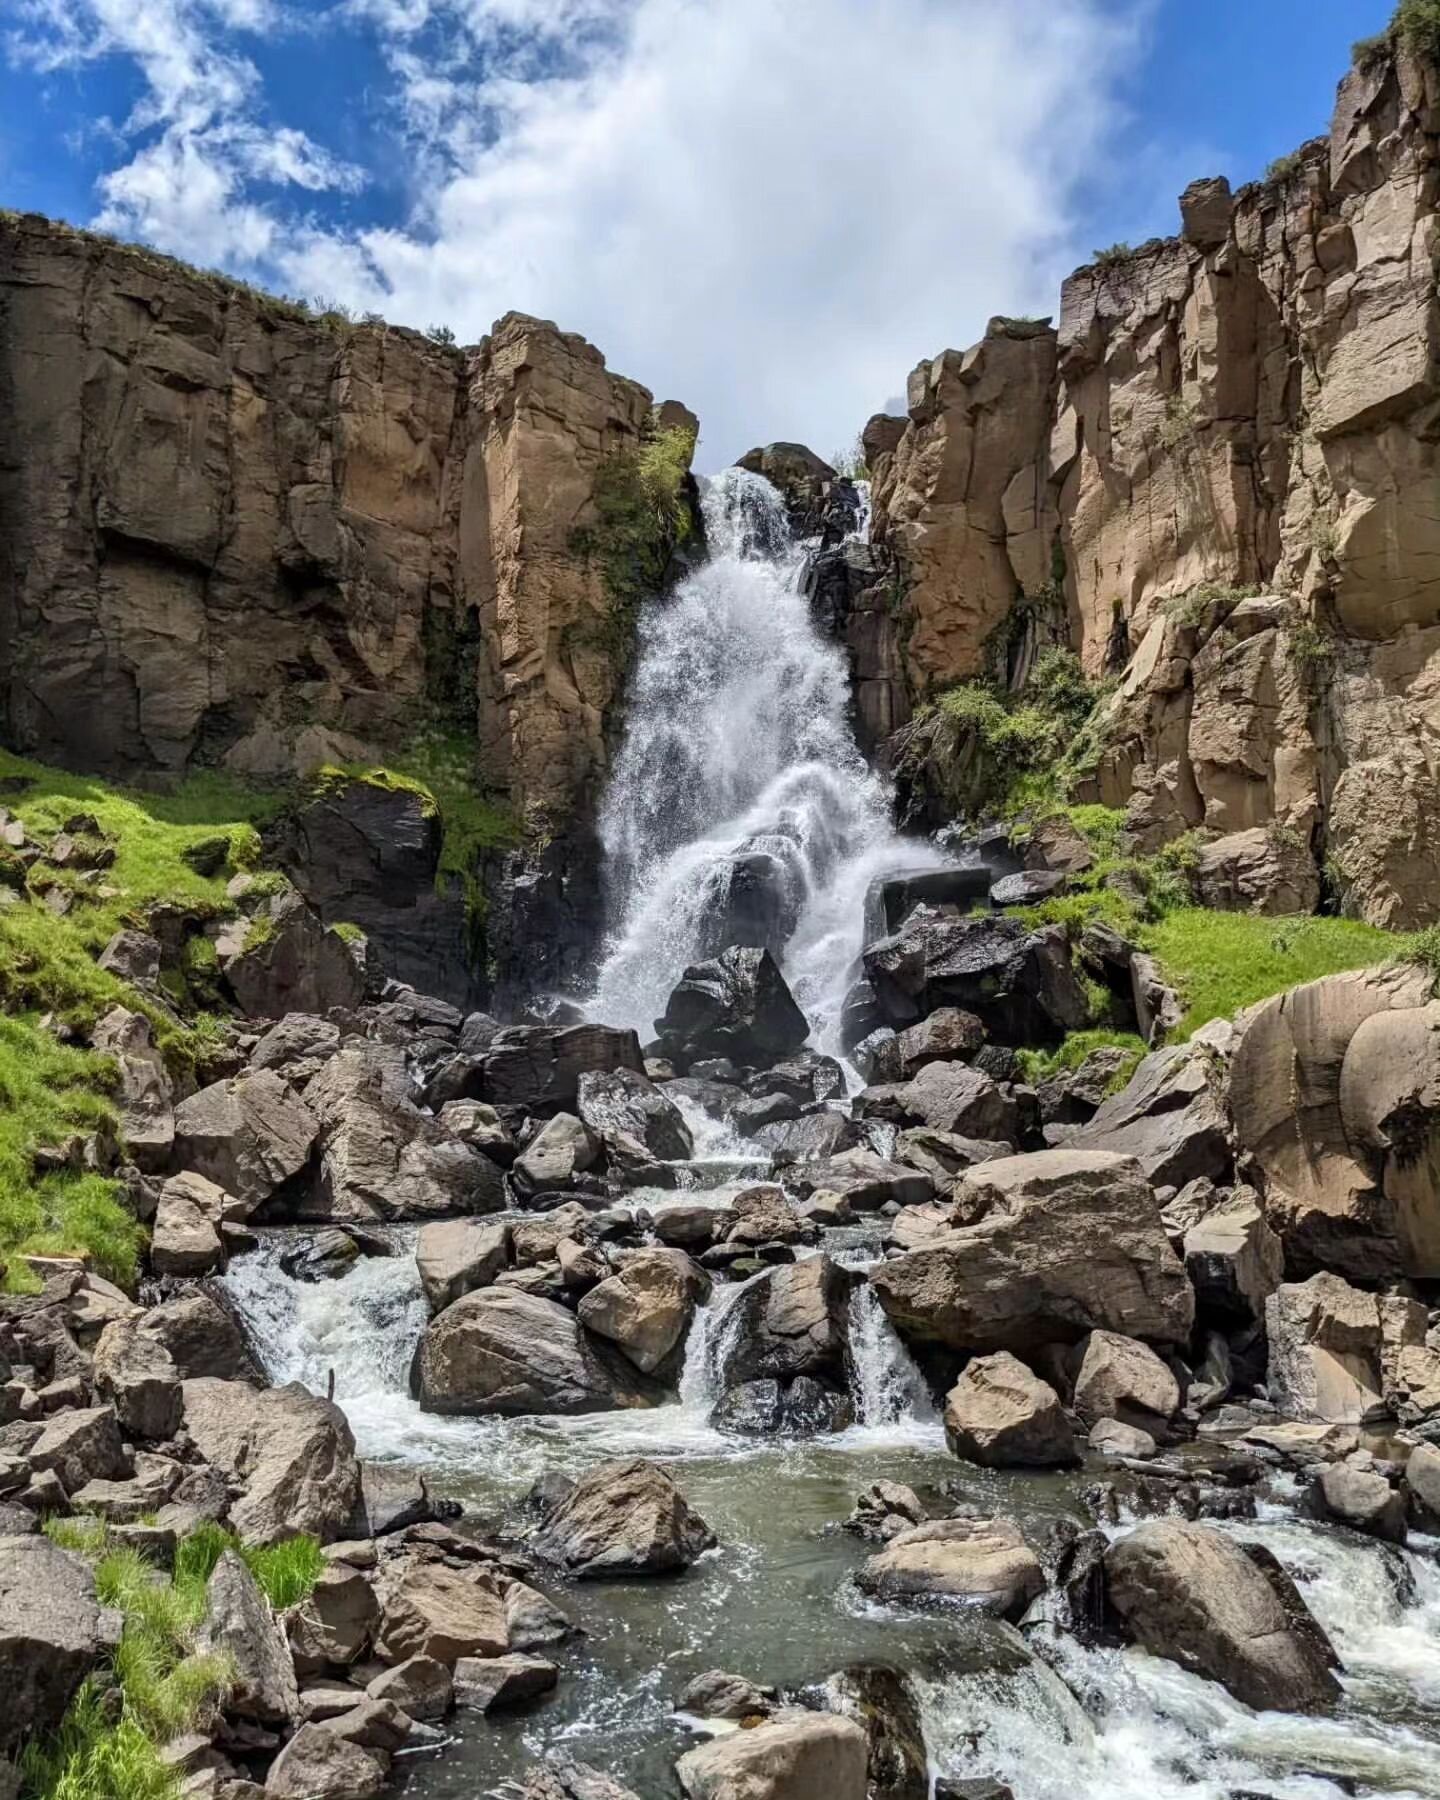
{"points": [[80, 1445], [800, 1408], [790, 1321], [538, 1067], [816, 1134], [500, 1351], [1109, 1437], [1018, 983], [1262, 870], [1120, 1379], [1234, 1260], [431, 1610], [942, 1155], [493, 1683], [736, 1005], [623, 1518], [763, 1215], [137, 1375], [949, 1033], [145, 1090], [1224, 1610], [1062, 1242], [646, 1306], [558, 1778], [863, 1178], [240, 1627], [1169, 1118], [1328, 1092], [299, 1468], [249, 1135], [317, 1764], [199, 1335], [1324, 1344], [186, 1236], [1001, 1415], [381, 1157], [563, 1148], [333, 1624], [297, 1047], [621, 1102], [1360, 1498], [717, 1694], [947, 1096], [985, 1563], [884, 1703], [420, 1686], [288, 961], [795, 1756], [53, 1632], [458, 1256]]}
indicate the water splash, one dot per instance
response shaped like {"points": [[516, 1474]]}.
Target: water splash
{"points": [[887, 1387], [739, 783]]}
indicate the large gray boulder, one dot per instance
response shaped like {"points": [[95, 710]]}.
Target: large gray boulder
{"points": [[623, 1518], [1169, 1117], [432, 1610], [380, 1156], [299, 1469], [53, 1632], [240, 1627], [619, 1103], [1234, 1260], [1223, 1610], [137, 1375], [984, 1562], [1062, 1242], [646, 1306], [736, 1005], [458, 1256], [564, 1147], [506, 1352], [1324, 1340], [187, 1237], [79, 1445], [249, 1135], [794, 1756], [288, 961], [319, 1764], [1118, 1378], [1001, 1415], [947, 1096]]}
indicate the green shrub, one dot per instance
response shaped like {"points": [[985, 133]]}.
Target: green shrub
{"points": [[1414, 26], [1284, 168], [1076, 1048], [441, 334], [1112, 255], [851, 464]]}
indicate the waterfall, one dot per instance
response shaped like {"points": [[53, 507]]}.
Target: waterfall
{"points": [[740, 808], [887, 1388]]}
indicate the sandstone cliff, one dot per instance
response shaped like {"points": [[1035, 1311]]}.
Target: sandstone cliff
{"points": [[1254, 404], [232, 532]]}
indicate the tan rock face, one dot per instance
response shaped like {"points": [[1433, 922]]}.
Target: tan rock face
{"points": [[234, 533], [1251, 403]]}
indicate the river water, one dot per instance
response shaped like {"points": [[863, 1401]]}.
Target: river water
{"points": [[739, 746]]}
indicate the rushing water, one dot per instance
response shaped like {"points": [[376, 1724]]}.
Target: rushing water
{"points": [[739, 768], [739, 775]]}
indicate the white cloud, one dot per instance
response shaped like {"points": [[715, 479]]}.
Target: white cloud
{"points": [[768, 208]]}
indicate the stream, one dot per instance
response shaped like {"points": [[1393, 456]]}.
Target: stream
{"points": [[740, 791]]}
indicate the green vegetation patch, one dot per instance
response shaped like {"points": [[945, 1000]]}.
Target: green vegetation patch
{"points": [[165, 1686], [1076, 1047], [1219, 962], [1414, 26]]}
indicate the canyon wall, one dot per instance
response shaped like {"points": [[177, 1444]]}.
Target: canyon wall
{"points": [[234, 533], [1253, 404]]}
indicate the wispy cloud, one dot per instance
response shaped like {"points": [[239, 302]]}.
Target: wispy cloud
{"points": [[770, 210]]}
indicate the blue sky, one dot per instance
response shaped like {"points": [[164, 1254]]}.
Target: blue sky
{"points": [[770, 210]]}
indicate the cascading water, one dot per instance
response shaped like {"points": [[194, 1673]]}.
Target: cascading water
{"points": [[740, 805]]}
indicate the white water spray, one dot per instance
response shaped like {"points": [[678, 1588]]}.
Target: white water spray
{"points": [[739, 783]]}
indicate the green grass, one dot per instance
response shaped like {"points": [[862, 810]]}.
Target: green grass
{"points": [[1414, 25], [1219, 962], [1071, 1051], [166, 1687]]}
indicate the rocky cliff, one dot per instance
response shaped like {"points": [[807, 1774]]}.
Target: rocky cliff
{"points": [[234, 532], [1250, 408]]}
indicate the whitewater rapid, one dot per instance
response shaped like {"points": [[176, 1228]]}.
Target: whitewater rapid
{"points": [[739, 763]]}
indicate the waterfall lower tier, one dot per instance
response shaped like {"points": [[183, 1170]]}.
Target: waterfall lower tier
{"points": [[741, 809]]}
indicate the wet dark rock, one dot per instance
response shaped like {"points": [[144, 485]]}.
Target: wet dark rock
{"points": [[1074, 1599], [539, 1067], [1019, 984], [891, 900], [322, 1256], [792, 1321], [800, 1408], [618, 1101], [818, 1135], [719, 1695], [807, 1076], [735, 1005], [881, 1700], [752, 899], [1027, 888]]}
